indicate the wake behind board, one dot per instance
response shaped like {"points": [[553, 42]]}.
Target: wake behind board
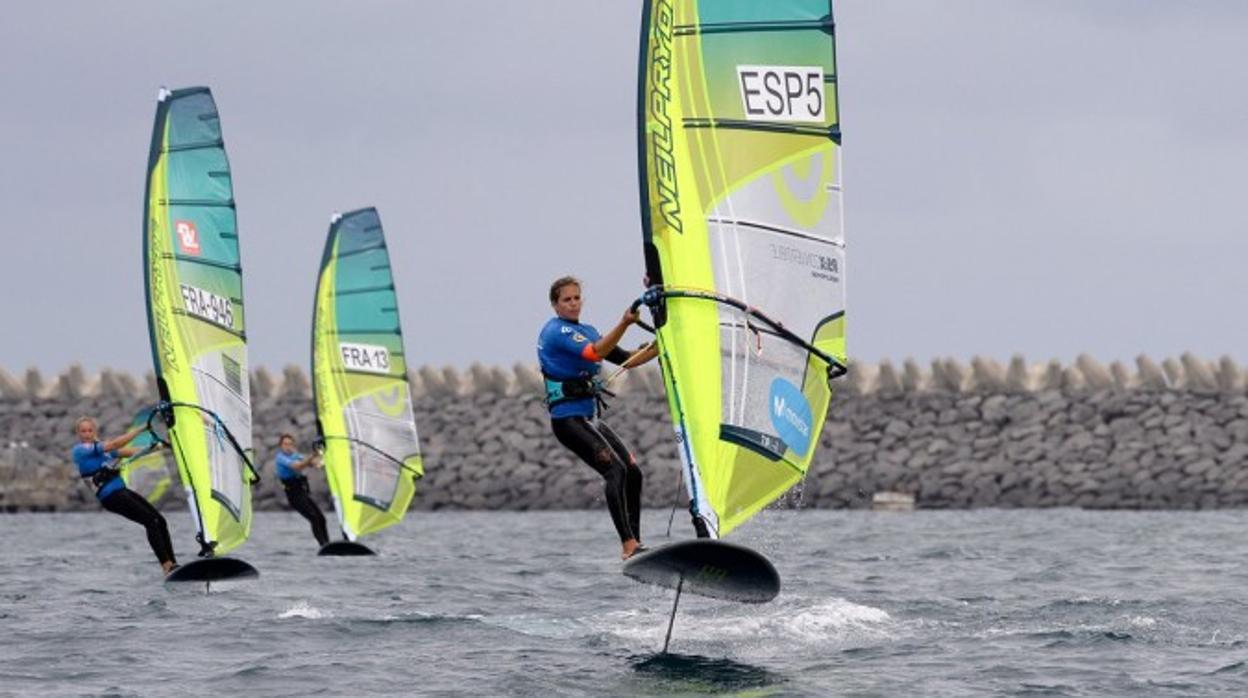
{"points": [[345, 547], [708, 567], [212, 569]]}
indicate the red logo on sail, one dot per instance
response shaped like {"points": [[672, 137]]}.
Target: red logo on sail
{"points": [[188, 237]]}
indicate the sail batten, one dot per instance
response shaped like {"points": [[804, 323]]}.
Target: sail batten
{"points": [[196, 317], [739, 153], [364, 411]]}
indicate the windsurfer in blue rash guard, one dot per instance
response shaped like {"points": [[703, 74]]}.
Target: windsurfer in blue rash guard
{"points": [[571, 354], [290, 465], [96, 461]]}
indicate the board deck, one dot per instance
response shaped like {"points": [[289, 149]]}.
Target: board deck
{"points": [[345, 547], [212, 569], [708, 567]]}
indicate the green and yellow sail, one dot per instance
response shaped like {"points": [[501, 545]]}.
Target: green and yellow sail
{"points": [[196, 316], [146, 472], [739, 156], [363, 402]]}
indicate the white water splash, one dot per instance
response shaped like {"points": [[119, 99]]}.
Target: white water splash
{"points": [[1142, 622], [303, 610], [798, 622], [831, 618]]}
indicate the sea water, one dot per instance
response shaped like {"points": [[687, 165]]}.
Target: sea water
{"points": [[991, 602]]}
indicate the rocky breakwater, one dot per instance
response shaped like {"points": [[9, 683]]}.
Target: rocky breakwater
{"points": [[1168, 435]]}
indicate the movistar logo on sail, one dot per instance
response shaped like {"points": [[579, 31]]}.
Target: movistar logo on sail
{"points": [[370, 358], [782, 92], [661, 141], [790, 415], [207, 305], [783, 411]]}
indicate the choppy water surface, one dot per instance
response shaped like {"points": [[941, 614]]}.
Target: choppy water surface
{"points": [[1054, 602]]}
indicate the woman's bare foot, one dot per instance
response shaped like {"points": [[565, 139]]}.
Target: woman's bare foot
{"points": [[167, 566], [631, 547]]}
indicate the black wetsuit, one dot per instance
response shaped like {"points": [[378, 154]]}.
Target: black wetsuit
{"points": [[96, 465], [597, 445], [299, 495], [570, 367], [133, 506]]}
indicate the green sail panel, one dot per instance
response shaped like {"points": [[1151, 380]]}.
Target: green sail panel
{"points": [[196, 317], [739, 159], [363, 401], [146, 472]]}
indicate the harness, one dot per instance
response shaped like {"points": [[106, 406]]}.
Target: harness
{"points": [[561, 391], [102, 476], [298, 482]]}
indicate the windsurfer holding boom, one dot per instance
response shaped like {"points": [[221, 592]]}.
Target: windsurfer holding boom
{"points": [[571, 354], [97, 462], [290, 465]]}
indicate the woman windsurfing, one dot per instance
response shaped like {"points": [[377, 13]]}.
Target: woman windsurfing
{"points": [[96, 461], [571, 354]]}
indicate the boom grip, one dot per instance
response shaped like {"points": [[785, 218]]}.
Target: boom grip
{"points": [[637, 304]]}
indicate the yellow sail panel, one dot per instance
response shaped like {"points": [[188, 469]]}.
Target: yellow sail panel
{"points": [[739, 141], [193, 281], [363, 402], [147, 471]]}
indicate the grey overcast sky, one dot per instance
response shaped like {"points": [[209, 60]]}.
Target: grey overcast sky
{"points": [[1047, 177]]}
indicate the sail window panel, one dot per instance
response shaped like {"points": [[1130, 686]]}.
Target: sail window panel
{"points": [[376, 479], [384, 421], [146, 472], [222, 386], [795, 281], [148, 475], [751, 363], [774, 245]]}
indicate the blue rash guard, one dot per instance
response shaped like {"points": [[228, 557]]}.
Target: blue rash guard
{"points": [[283, 463], [90, 459], [561, 351]]}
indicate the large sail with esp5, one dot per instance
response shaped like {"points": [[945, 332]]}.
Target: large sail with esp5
{"points": [[739, 145]]}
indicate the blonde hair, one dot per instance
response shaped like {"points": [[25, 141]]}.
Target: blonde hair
{"points": [[78, 422], [558, 285]]}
